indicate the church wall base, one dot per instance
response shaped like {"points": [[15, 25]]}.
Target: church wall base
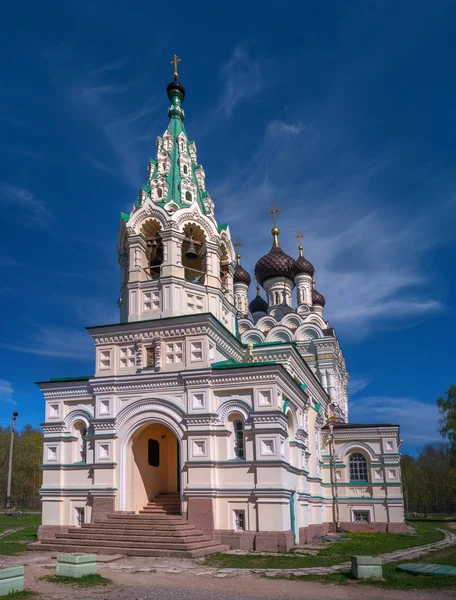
{"points": [[374, 527], [101, 507], [261, 541], [306, 534], [49, 531], [200, 512]]}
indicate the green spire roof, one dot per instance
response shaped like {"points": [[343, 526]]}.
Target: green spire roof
{"points": [[176, 180]]}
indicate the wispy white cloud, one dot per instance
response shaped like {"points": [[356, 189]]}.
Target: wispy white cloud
{"points": [[418, 420], [276, 128], [7, 392], [56, 341], [241, 77], [22, 204], [8, 261], [125, 126], [356, 384]]}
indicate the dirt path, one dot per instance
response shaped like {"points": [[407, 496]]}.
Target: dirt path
{"points": [[180, 586]]}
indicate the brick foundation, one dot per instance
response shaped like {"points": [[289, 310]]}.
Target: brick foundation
{"points": [[274, 541], [200, 512], [374, 527], [101, 507], [237, 540], [306, 534], [49, 531]]}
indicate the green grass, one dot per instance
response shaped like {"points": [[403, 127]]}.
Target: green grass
{"points": [[394, 579], [20, 595], [84, 581], [337, 552], [17, 541]]}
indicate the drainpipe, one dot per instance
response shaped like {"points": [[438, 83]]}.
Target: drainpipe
{"points": [[330, 421]]}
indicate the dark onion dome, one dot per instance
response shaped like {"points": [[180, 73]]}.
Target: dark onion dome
{"points": [[176, 88], [303, 265], [317, 298], [275, 263], [258, 304], [240, 274]]}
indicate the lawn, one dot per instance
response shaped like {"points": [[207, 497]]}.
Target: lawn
{"points": [[394, 579], [16, 542], [84, 581], [337, 552]]}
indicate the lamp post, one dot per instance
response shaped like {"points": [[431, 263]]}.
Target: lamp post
{"points": [[10, 465]]}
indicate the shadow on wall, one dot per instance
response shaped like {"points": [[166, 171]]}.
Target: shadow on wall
{"points": [[153, 465]]}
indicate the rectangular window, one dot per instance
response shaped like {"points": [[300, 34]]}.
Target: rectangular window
{"points": [[150, 356], [361, 516], [239, 520], [154, 453]]}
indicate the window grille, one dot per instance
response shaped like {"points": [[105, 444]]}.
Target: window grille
{"points": [[361, 516], [358, 467], [79, 517], [239, 450], [239, 520]]}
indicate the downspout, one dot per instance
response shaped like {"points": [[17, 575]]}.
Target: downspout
{"points": [[333, 463]]}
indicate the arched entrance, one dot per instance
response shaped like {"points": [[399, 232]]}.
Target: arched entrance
{"points": [[152, 465]]}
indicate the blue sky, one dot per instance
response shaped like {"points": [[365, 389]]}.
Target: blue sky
{"points": [[341, 112]]}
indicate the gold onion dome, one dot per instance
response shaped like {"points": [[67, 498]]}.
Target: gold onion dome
{"points": [[240, 274], [317, 298], [275, 263], [258, 304], [303, 265]]}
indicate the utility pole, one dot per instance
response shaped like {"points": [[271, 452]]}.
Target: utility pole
{"points": [[10, 465]]}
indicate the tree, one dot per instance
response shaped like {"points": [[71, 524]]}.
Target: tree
{"points": [[447, 409]]}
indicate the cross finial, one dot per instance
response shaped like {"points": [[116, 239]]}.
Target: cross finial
{"points": [[274, 210], [299, 235], [174, 62], [237, 243]]}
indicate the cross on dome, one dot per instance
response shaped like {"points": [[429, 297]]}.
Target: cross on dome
{"points": [[174, 62]]}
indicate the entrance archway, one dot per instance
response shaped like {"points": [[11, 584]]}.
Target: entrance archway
{"points": [[152, 465]]}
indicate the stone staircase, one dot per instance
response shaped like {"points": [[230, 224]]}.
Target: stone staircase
{"points": [[158, 530]]}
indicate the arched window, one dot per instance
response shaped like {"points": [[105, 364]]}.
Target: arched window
{"points": [[159, 192], [188, 196], [239, 450], [185, 170], [358, 467]]}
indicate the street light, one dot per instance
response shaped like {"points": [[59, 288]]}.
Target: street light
{"points": [[10, 465]]}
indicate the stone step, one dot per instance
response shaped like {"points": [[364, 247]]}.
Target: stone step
{"points": [[141, 526], [128, 518], [94, 528], [157, 545], [52, 546], [153, 539], [158, 511]]}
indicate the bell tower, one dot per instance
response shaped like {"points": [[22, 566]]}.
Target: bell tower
{"points": [[174, 257]]}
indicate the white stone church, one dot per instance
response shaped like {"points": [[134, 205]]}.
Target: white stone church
{"points": [[222, 421]]}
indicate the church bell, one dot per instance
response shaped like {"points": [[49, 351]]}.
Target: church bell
{"points": [[191, 253]]}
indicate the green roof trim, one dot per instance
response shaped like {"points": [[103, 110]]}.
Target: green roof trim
{"points": [[125, 217], [303, 386], [285, 406], [317, 407], [222, 227], [60, 379], [229, 365]]}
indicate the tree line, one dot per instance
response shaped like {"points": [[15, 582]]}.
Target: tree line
{"points": [[27, 458], [429, 480]]}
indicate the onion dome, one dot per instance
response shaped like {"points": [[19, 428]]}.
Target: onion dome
{"points": [[303, 265], [275, 263], [258, 304], [240, 274], [317, 298]]}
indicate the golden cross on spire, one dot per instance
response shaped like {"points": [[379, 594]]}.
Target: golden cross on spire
{"points": [[237, 243], [274, 210], [174, 62], [299, 235]]}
